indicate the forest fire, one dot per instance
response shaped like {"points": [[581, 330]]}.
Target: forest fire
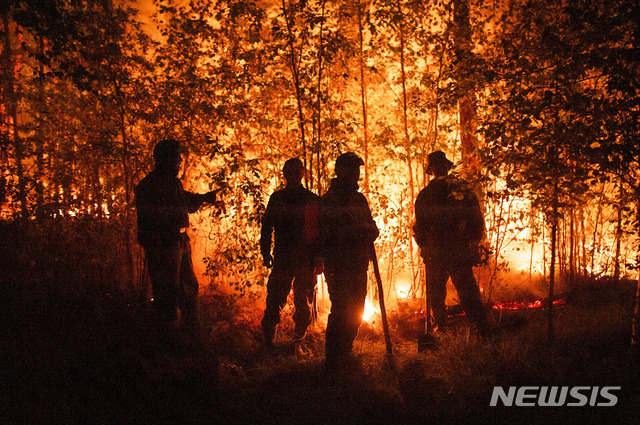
{"points": [[370, 310], [238, 154], [534, 104], [323, 302], [538, 304], [403, 289]]}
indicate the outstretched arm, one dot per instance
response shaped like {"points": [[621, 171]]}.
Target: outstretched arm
{"points": [[195, 200]]}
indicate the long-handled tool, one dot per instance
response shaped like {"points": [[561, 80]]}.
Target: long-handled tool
{"points": [[383, 311], [427, 340]]}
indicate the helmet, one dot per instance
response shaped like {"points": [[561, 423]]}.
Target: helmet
{"points": [[349, 159], [167, 148]]}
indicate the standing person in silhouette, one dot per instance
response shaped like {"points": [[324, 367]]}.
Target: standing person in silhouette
{"points": [[347, 232], [292, 214], [449, 227], [163, 209]]}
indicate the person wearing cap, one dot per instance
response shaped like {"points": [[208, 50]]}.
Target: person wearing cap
{"points": [[290, 221], [163, 209], [347, 232], [449, 227]]}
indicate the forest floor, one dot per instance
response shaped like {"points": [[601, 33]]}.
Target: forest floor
{"points": [[90, 357]]}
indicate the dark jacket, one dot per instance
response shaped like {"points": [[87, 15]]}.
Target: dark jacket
{"points": [[347, 230], [448, 218], [163, 208], [292, 213]]}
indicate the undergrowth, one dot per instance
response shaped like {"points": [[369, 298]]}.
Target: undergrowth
{"points": [[84, 351]]}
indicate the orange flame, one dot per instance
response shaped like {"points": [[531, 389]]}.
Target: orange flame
{"points": [[369, 311]]}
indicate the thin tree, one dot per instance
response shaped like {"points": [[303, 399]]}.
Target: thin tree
{"points": [[363, 93], [294, 66], [463, 45]]}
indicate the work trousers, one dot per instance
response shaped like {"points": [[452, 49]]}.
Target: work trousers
{"points": [[278, 288], [173, 280], [461, 273], [347, 292]]}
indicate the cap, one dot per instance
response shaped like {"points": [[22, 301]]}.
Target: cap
{"points": [[168, 148], [349, 159]]}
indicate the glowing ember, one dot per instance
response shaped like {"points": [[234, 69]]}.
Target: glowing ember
{"points": [[525, 306]]}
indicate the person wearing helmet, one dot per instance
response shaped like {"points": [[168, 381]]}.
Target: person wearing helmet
{"points": [[291, 218], [347, 232], [163, 209], [449, 227]]}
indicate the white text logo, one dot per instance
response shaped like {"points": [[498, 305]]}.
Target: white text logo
{"points": [[554, 396]]}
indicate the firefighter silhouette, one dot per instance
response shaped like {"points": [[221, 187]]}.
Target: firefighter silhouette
{"points": [[449, 227]]}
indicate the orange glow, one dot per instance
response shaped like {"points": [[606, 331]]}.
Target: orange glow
{"points": [[403, 289], [525, 306], [369, 311]]}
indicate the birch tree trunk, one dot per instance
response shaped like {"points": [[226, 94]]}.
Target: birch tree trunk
{"points": [[318, 114], [405, 120], [552, 264], [467, 103], [363, 99], [295, 71], [616, 259]]}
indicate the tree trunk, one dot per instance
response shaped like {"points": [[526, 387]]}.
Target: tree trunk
{"points": [[561, 238], [363, 99], [595, 232], [318, 112], [572, 247], [552, 265], [436, 112], [128, 184], [616, 259], [544, 251], [296, 81], [467, 103], [97, 189], [405, 112], [533, 245]]}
